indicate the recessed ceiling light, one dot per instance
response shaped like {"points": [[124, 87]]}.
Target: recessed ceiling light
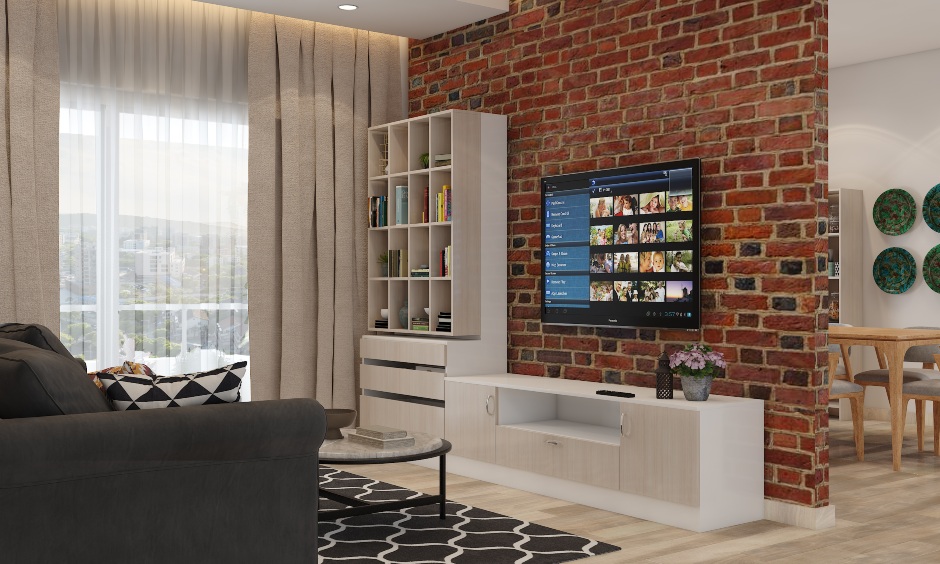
{"points": [[348, 7]]}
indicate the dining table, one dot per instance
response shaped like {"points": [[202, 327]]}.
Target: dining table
{"points": [[893, 344]]}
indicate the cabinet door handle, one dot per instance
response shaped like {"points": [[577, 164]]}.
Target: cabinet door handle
{"points": [[553, 443], [489, 398], [622, 432]]}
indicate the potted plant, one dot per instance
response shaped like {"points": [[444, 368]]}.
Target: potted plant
{"points": [[383, 264], [697, 365]]}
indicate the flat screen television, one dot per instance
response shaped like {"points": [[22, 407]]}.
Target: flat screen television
{"points": [[621, 247]]}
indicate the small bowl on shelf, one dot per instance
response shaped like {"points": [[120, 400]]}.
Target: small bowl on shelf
{"points": [[384, 313], [336, 419]]}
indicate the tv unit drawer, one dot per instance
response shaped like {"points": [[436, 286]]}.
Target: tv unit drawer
{"points": [[568, 458], [403, 381]]}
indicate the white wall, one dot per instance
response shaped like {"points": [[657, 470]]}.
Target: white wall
{"points": [[884, 132]]}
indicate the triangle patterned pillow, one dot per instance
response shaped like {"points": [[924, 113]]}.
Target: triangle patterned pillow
{"points": [[138, 391]]}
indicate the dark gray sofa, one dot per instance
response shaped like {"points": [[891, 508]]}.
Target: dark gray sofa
{"points": [[218, 483]]}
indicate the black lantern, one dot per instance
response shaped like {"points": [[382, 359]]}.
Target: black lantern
{"points": [[663, 378]]}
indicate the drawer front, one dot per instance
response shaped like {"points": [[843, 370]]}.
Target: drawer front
{"points": [[587, 462], [418, 383], [402, 415], [524, 450], [413, 351]]}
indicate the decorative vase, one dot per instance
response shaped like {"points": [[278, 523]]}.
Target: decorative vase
{"points": [[383, 268], [696, 389], [403, 315]]}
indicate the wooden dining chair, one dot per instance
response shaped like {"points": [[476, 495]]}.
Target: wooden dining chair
{"points": [[923, 354], [923, 391], [847, 389]]}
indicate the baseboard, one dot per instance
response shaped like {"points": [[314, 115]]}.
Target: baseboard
{"points": [[814, 518]]}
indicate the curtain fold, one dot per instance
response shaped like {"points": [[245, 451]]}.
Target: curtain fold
{"points": [[29, 162], [314, 89]]}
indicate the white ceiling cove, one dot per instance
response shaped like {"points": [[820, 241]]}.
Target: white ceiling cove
{"points": [[869, 30], [418, 19]]}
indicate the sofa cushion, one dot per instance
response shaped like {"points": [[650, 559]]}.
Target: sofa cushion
{"points": [[35, 383], [127, 368], [132, 391], [37, 335]]}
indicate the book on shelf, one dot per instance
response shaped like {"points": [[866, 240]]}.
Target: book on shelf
{"points": [[401, 205], [442, 204], [443, 159], [420, 272], [397, 263], [381, 324], [426, 211]]}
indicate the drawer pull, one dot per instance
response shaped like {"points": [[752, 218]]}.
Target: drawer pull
{"points": [[489, 399], [622, 432], [553, 443]]}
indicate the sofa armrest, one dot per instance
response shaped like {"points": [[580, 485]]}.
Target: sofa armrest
{"points": [[66, 447]]}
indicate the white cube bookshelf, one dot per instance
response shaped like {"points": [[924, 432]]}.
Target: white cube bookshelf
{"points": [[474, 289]]}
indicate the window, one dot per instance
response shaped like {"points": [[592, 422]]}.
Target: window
{"points": [[154, 184]]}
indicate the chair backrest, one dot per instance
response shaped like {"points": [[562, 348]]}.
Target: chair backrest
{"points": [[922, 353]]}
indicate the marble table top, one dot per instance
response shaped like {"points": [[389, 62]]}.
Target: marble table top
{"points": [[344, 449]]}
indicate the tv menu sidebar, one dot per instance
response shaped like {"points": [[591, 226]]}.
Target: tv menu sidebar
{"points": [[567, 251]]}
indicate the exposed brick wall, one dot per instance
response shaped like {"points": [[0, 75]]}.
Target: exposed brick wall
{"points": [[741, 84]]}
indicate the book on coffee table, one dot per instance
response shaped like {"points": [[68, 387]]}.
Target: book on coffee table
{"points": [[381, 443], [380, 432]]}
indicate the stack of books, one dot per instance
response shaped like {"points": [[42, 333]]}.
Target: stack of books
{"points": [[443, 322], [397, 263], [442, 159], [381, 324], [380, 437], [420, 324], [442, 202], [445, 259], [378, 212], [422, 272]]}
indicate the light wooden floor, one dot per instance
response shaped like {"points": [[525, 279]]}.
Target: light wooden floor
{"points": [[881, 516]]}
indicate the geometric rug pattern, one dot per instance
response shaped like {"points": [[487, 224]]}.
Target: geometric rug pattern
{"points": [[417, 535]]}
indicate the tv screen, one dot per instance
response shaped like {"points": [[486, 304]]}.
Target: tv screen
{"points": [[621, 247]]}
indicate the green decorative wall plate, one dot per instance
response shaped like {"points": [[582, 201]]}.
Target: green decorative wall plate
{"points": [[932, 269], [932, 209], [895, 270], [894, 211]]}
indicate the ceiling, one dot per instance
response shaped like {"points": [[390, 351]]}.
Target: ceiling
{"points": [[869, 30], [418, 19]]}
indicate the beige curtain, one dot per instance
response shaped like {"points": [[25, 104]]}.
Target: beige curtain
{"points": [[29, 163], [314, 89]]}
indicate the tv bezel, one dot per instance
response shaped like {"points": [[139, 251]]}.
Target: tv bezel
{"points": [[695, 322]]}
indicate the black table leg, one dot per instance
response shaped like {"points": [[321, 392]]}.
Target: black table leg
{"points": [[443, 486]]}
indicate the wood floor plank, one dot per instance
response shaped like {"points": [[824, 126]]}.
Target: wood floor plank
{"points": [[881, 515]]}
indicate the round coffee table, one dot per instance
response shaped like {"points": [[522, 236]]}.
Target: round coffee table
{"points": [[344, 451]]}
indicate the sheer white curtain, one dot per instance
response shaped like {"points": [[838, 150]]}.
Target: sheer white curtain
{"points": [[153, 182]]}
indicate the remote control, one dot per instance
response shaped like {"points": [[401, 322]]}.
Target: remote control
{"points": [[613, 393]]}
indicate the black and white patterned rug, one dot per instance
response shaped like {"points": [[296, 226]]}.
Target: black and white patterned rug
{"points": [[417, 535]]}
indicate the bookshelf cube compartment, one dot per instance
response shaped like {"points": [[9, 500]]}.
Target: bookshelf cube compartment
{"points": [[420, 209], [397, 295], [418, 296], [441, 133], [418, 254], [398, 149], [439, 241], [378, 300], [418, 144], [439, 179], [378, 245], [378, 146], [440, 300]]}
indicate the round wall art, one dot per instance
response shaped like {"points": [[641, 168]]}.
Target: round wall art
{"points": [[894, 211], [894, 270], [932, 269], [932, 209]]}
